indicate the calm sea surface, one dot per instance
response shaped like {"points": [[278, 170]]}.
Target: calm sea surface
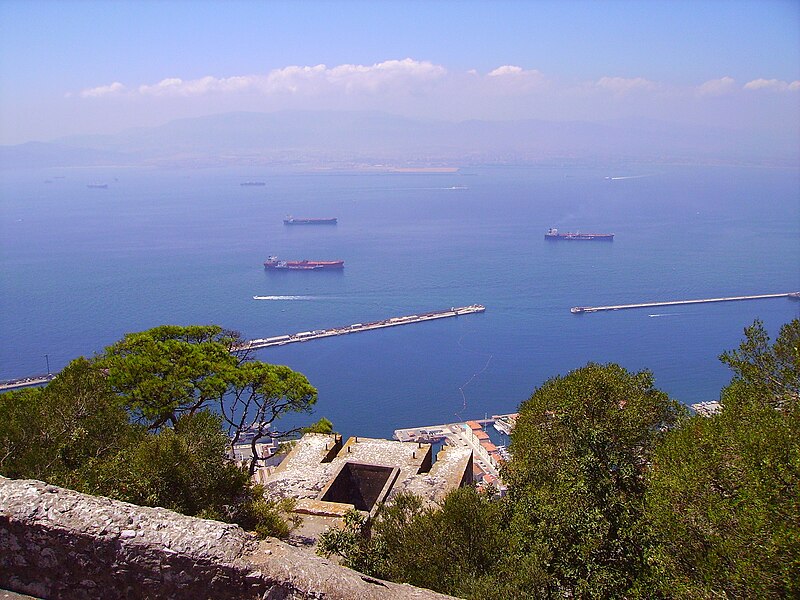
{"points": [[80, 267]]}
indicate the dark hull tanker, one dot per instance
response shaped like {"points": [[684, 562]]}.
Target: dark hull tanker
{"points": [[296, 221]]}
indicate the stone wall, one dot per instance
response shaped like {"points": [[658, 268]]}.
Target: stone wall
{"points": [[57, 543]]}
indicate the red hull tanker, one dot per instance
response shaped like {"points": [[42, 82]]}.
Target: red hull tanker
{"points": [[273, 263]]}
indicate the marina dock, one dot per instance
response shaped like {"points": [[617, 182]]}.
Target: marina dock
{"points": [[588, 309], [305, 336], [471, 434]]}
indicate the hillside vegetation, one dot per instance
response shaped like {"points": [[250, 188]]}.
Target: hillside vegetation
{"points": [[615, 490]]}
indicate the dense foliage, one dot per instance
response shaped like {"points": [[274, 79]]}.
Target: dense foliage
{"points": [[457, 547], [170, 371], [724, 495], [148, 421], [615, 492], [581, 447]]}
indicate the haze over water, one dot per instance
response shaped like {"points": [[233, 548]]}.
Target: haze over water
{"points": [[80, 267]]}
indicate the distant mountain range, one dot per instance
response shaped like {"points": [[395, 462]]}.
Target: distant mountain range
{"points": [[331, 138]]}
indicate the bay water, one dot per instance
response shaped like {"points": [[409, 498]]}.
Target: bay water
{"points": [[82, 266]]}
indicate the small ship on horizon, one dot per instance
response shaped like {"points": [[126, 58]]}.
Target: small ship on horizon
{"points": [[273, 264], [553, 234], [290, 220]]}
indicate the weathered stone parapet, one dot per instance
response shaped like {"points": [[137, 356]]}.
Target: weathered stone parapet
{"points": [[57, 543]]}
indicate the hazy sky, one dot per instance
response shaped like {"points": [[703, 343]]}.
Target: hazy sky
{"points": [[101, 66]]}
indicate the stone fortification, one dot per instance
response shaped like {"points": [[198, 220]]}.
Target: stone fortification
{"points": [[57, 543]]}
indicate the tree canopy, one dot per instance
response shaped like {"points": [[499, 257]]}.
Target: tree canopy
{"points": [[580, 448], [148, 421], [614, 490], [168, 371], [457, 547], [724, 492]]}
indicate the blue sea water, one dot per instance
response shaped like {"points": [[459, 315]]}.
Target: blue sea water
{"points": [[80, 267]]}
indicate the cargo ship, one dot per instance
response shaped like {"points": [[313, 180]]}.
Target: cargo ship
{"points": [[553, 234], [273, 264], [290, 220], [253, 183], [97, 186]]}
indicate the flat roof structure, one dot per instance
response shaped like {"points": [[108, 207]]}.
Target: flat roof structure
{"points": [[328, 477]]}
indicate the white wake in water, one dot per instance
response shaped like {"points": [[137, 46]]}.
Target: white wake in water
{"points": [[628, 177], [285, 297]]}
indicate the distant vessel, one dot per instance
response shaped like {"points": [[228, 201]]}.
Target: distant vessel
{"points": [[272, 263], [258, 183], [99, 186], [290, 220], [553, 234]]}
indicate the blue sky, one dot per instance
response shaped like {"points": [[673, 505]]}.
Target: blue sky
{"points": [[87, 67]]}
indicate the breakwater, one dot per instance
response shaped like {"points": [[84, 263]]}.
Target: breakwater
{"points": [[305, 336], [588, 309], [13, 384]]}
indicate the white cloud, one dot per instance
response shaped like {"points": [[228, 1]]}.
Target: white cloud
{"points": [[388, 74], [292, 79], [506, 70], [716, 87], [512, 79], [178, 87], [513, 71], [391, 75], [773, 85], [623, 85], [103, 90]]}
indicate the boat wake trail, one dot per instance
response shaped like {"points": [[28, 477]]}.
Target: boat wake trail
{"points": [[411, 189], [286, 297], [474, 375], [628, 177], [666, 315]]}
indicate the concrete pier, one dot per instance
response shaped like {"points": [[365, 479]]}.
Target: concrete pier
{"points": [[13, 384], [587, 309], [305, 336]]}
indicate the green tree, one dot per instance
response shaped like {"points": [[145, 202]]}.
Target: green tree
{"points": [[142, 422], [457, 547], [322, 426], [52, 433], [581, 448], [186, 469], [764, 373], [169, 371], [724, 496], [257, 394], [182, 468]]}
